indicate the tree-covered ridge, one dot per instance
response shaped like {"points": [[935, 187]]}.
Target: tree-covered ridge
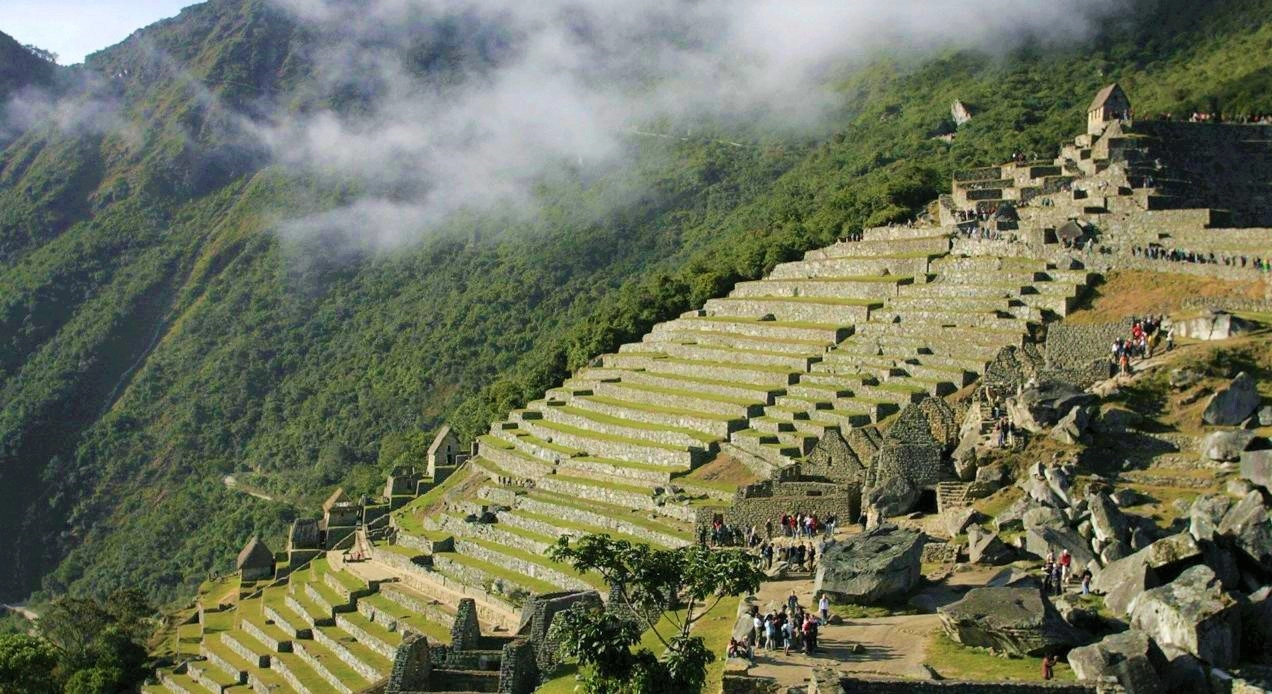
{"points": [[155, 335]]}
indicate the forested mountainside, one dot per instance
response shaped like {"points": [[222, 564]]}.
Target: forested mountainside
{"points": [[157, 335]]}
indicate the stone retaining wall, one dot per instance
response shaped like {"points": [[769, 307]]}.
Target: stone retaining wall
{"points": [[259, 634], [521, 566], [366, 638], [345, 656], [262, 661], [429, 582], [827, 681]]}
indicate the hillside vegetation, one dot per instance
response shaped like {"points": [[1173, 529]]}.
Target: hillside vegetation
{"points": [[155, 336]]}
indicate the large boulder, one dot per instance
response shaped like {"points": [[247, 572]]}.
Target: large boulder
{"points": [[1123, 580], [1172, 552], [1250, 530], [1194, 614], [956, 520], [877, 566], [1226, 446], [1012, 517], [1130, 657], [1256, 467], [1183, 378], [1214, 325], [1017, 621], [1205, 515], [1107, 521], [893, 496], [1040, 540], [984, 547], [1072, 428], [1013, 577], [1038, 408], [1233, 403]]}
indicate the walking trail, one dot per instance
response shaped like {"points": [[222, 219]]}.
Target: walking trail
{"points": [[892, 646]]}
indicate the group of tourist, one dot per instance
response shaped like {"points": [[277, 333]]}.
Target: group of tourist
{"points": [[790, 628], [801, 556], [1005, 431], [1145, 334], [797, 525], [1175, 255], [1208, 117]]}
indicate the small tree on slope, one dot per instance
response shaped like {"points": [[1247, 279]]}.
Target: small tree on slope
{"points": [[648, 582]]}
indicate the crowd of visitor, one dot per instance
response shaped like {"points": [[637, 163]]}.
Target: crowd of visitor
{"points": [[1175, 255], [789, 628]]}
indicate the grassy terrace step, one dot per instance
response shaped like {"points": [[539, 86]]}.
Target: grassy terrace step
{"points": [[690, 436], [211, 677], [703, 421], [407, 619], [615, 446], [274, 598], [615, 513], [321, 658], [182, 683], [698, 387], [781, 330], [511, 519], [303, 672], [705, 336], [359, 651], [759, 374], [248, 642], [536, 561], [793, 308], [607, 469], [217, 653], [493, 571], [720, 354]]}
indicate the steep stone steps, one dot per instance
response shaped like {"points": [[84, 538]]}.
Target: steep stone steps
{"points": [[860, 287], [793, 308]]}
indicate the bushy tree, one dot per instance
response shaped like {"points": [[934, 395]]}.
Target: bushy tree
{"points": [[682, 585], [27, 664]]}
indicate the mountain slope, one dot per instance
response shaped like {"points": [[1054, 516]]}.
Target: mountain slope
{"points": [[157, 335]]}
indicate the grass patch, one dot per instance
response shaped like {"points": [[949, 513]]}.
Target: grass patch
{"points": [[632, 424], [955, 661]]}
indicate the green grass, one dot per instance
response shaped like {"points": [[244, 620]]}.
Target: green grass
{"points": [[955, 661], [407, 516], [533, 440], [591, 579], [828, 300], [583, 528], [358, 650]]}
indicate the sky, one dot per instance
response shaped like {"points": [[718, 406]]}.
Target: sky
{"points": [[75, 28]]}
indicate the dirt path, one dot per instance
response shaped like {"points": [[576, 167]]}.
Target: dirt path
{"points": [[894, 645]]}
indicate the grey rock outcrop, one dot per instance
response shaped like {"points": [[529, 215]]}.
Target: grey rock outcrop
{"points": [[1256, 467], [878, 566], [1122, 580], [1017, 621], [1226, 446], [1214, 325], [1250, 530], [1038, 408], [1107, 521], [1072, 428], [984, 547], [1130, 657], [893, 496], [1183, 378], [1193, 614], [1206, 514], [1256, 626], [1233, 403], [956, 520]]}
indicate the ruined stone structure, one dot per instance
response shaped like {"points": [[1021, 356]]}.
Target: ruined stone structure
{"points": [[1110, 105]]}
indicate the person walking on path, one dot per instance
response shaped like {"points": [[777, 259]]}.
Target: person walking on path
{"points": [[823, 606]]}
